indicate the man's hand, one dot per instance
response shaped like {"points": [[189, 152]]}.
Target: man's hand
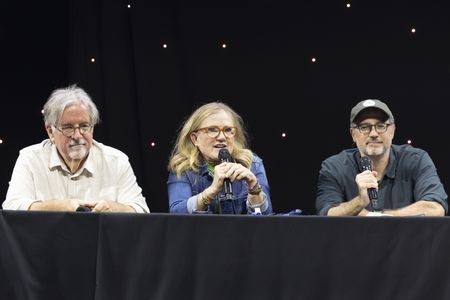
{"points": [[366, 180], [107, 206]]}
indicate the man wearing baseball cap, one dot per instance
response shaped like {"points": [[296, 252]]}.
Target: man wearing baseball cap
{"points": [[377, 177]]}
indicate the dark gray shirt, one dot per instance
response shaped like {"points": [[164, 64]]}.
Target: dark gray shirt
{"points": [[410, 176]]}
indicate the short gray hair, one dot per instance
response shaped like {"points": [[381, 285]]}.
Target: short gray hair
{"points": [[62, 98]]}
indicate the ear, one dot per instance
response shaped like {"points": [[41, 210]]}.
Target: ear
{"points": [[352, 133], [193, 137], [393, 130], [49, 130]]}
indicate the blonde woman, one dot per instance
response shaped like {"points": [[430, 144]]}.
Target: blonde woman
{"points": [[198, 178]]}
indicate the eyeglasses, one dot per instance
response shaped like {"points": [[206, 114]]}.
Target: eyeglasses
{"points": [[69, 130], [367, 128], [214, 131]]}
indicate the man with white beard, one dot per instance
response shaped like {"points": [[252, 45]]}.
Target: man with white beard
{"points": [[402, 180], [71, 170]]}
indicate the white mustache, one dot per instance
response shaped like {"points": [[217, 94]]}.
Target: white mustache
{"points": [[81, 142]]}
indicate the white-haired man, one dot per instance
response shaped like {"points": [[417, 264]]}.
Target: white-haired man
{"points": [[70, 171]]}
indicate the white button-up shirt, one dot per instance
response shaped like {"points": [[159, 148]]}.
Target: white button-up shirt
{"points": [[40, 174]]}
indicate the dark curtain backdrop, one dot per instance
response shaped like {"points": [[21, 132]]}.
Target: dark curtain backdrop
{"points": [[144, 91]]}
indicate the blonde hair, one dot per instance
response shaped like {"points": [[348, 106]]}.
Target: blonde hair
{"points": [[185, 155]]}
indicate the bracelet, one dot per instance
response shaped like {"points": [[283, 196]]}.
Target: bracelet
{"points": [[256, 189]]}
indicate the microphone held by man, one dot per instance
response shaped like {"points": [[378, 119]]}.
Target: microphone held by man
{"points": [[366, 165]]}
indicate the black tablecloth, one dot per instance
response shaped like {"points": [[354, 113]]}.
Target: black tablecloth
{"points": [[50, 255]]}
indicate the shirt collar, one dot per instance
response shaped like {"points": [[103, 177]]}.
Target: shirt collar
{"points": [[57, 161], [89, 163], [391, 167]]}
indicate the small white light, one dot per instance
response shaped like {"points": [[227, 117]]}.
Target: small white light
{"points": [[164, 45], [1, 141], [224, 46], [413, 30], [313, 59], [283, 135], [42, 111], [152, 144], [129, 6], [92, 59], [409, 142], [348, 5]]}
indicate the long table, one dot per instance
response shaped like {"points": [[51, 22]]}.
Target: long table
{"points": [[52, 255]]}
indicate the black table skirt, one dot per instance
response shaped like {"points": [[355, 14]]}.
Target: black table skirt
{"points": [[51, 255]]}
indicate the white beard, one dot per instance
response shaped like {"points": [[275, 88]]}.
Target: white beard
{"points": [[375, 151], [79, 152]]}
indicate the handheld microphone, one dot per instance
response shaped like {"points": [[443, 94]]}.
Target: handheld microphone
{"points": [[225, 156], [366, 164]]}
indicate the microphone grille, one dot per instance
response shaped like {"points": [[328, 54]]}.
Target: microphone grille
{"points": [[366, 163], [224, 154]]}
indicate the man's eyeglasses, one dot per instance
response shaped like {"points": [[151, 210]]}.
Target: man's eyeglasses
{"points": [[214, 131], [69, 130], [367, 128]]}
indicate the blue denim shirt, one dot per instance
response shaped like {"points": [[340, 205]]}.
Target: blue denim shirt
{"points": [[191, 183], [409, 177]]}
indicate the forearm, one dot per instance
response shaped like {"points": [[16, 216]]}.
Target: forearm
{"points": [[421, 207], [349, 208], [55, 205]]}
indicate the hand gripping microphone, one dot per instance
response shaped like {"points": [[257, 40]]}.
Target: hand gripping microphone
{"points": [[366, 164], [225, 156]]}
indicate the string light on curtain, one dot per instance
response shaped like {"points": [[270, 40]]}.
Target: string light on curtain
{"points": [[92, 59], [409, 142], [349, 5], [413, 30], [129, 5], [164, 45], [313, 59], [224, 45], [152, 144], [283, 135], [1, 141]]}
